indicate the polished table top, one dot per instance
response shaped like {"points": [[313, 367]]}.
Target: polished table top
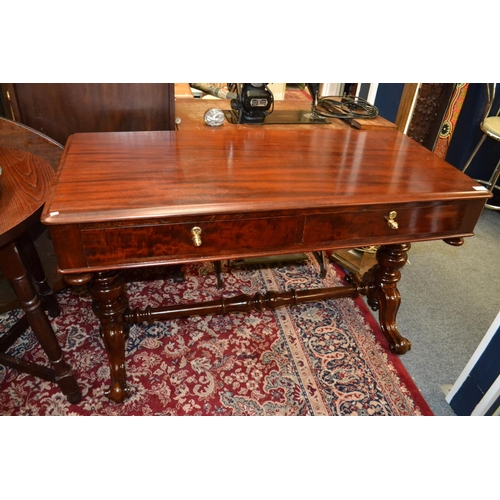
{"points": [[114, 176]]}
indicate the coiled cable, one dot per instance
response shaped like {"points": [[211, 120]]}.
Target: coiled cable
{"points": [[345, 107]]}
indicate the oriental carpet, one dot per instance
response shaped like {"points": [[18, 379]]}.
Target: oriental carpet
{"points": [[322, 358]]}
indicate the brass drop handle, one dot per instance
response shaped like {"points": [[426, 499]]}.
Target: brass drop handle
{"points": [[391, 220], [196, 232]]}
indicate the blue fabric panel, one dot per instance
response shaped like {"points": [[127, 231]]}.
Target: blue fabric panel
{"points": [[487, 368], [466, 399], [388, 99]]}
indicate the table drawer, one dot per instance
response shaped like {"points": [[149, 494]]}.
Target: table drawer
{"points": [[373, 225], [162, 241]]}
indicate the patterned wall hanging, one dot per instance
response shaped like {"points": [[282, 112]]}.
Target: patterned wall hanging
{"points": [[450, 120]]}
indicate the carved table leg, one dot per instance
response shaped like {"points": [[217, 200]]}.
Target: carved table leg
{"points": [[108, 292], [384, 295], [14, 270]]}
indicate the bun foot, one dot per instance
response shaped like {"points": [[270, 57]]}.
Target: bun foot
{"points": [[401, 346], [117, 393]]}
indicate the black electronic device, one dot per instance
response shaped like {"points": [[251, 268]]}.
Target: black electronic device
{"points": [[253, 102]]}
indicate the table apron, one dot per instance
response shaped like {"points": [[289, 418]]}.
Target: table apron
{"points": [[122, 244]]}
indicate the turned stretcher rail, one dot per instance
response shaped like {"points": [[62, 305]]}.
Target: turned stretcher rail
{"points": [[240, 303]]}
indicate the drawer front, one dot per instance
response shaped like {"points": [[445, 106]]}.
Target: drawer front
{"points": [[126, 244], [371, 226], [163, 242]]}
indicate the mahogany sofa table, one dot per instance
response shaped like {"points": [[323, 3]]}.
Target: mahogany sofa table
{"points": [[132, 199]]}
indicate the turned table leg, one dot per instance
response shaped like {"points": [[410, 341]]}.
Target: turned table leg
{"points": [[384, 295], [14, 270], [108, 292]]}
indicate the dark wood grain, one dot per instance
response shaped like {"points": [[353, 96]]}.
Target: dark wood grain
{"points": [[18, 136], [24, 185], [61, 109], [163, 174]]}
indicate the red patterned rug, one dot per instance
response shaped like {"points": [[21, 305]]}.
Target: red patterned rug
{"points": [[325, 358]]}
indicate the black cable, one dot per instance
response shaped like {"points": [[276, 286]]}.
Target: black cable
{"points": [[345, 107]]}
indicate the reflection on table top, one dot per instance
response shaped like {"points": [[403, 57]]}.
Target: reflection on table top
{"points": [[190, 113]]}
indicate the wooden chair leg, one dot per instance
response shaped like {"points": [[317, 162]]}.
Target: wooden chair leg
{"points": [[14, 270], [33, 264]]}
